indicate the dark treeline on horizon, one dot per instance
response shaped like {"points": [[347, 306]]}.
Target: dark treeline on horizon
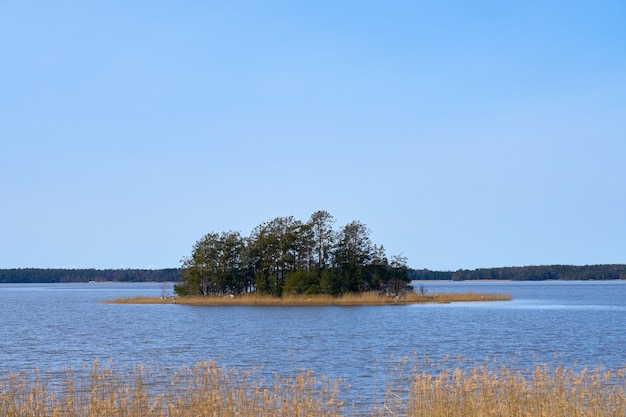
{"points": [[527, 273], [60, 275], [514, 273]]}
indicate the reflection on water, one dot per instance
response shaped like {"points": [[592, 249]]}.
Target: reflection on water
{"points": [[50, 327]]}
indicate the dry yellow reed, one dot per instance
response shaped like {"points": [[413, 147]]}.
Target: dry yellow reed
{"points": [[362, 299], [204, 390], [505, 392], [208, 390]]}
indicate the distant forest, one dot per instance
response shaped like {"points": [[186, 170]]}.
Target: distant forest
{"points": [[527, 273], [34, 275], [523, 273]]}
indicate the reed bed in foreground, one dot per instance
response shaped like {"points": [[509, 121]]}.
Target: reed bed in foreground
{"points": [[208, 390], [362, 299], [204, 390], [506, 392]]}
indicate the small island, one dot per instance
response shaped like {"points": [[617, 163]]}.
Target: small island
{"points": [[285, 261]]}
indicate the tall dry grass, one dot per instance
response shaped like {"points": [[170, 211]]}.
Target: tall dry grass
{"points": [[363, 299], [505, 392], [204, 390], [208, 390]]}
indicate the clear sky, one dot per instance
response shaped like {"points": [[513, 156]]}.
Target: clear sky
{"points": [[464, 134]]}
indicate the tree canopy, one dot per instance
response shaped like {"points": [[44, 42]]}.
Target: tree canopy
{"points": [[287, 256]]}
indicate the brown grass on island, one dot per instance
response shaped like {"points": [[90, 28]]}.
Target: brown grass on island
{"points": [[208, 390], [363, 299]]}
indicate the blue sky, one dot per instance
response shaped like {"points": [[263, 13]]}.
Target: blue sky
{"points": [[463, 134]]}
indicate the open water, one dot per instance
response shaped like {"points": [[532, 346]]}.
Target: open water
{"points": [[51, 327]]}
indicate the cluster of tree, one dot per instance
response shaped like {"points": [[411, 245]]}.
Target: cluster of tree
{"points": [[35, 275], [527, 273], [288, 256]]}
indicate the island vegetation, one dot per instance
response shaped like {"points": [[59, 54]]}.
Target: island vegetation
{"points": [[286, 256], [208, 390]]}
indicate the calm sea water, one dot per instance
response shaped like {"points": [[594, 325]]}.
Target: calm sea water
{"points": [[55, 326]]}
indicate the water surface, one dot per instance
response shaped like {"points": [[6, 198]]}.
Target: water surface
{"points": [[55, 326]]}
